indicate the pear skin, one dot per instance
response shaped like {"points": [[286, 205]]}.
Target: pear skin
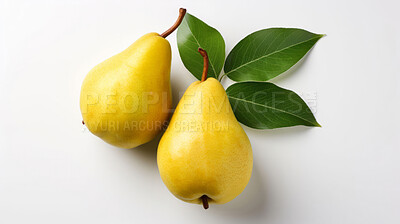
{"points": [[126, 99], [205, 155]]}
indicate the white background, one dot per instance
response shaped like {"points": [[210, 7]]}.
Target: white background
{"points": [[347, 172]]}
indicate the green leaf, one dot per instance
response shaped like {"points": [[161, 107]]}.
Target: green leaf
{"points": [[267, 53], [194, 33], [263, 105]]}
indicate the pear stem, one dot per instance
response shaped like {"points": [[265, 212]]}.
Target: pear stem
{"points": [[204, 199], [205, 65], [182, 13], [83, 122]]}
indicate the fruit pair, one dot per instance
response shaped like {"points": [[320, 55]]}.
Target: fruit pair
{"points": [[204, 155]]}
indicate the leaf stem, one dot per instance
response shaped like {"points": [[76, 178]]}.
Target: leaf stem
{"points": [[221, 77], [182, 13], [205, 65]]}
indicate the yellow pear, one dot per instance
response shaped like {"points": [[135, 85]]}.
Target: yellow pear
{"points": [[205, 156], [126, 99]]}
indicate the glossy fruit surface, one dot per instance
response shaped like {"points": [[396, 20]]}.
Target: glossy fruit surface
{"points": [[205, 151], [125, 100]]}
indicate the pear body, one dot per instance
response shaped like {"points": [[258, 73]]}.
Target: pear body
{"points": [[126, 99], [204, 150]]}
